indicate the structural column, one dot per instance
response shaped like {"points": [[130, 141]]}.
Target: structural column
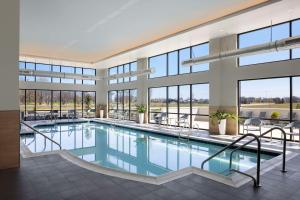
{"points": [[102, 89], [223, 82], [142, 98], [9, 85]]}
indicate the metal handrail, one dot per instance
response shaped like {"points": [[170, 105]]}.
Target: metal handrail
{"points": [[257, 180], [263, 134], [41, 134]]}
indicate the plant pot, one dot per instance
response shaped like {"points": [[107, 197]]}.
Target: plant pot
{"points": [[141, 118], [101, 113], [222, 127]]}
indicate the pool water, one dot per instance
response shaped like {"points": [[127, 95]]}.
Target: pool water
{"points": [[136, 151]]}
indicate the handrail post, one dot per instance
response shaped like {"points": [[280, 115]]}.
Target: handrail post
{"points": [[258, 162], [284, 152]]}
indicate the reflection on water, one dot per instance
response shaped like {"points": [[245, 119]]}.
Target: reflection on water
{"points": [[135, 151]]}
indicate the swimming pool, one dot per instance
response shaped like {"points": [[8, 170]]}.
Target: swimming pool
{"points": [[136, 151]]}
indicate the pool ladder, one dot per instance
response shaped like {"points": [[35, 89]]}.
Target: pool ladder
{"points": [[38, 132], [257, 139]]}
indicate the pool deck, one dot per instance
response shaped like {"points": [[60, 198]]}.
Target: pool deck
{"points": [[53, 177]]}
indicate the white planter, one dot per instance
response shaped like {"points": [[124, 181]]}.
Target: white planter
{"points": [[101, 112], [222, 127], [141, 118]]}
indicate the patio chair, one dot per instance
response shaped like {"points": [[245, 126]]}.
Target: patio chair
{"points": [[262, 115], [71, 114], [292, 133], [182, 120], [249, 114], [252, 124], [159, 118]]}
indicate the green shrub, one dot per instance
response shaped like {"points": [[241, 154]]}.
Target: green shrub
{"points": [[275, 115]]}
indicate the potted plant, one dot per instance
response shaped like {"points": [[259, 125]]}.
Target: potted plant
{"points": [[141, 109], [101, 108], [275, 116], [221, 117]]}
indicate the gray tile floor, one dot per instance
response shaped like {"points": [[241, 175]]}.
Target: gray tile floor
{"points": [[51, 177]]}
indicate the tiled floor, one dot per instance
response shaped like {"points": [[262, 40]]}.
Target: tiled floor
{"points": [[52, 177]]}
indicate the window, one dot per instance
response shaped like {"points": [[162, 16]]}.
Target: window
{"points": [[198, 51], [265, 35], [113, 71], [296, 32], [22, 66], [121, 69], [56, 103], [43, 67], [173, 103], [133, 68], [78, 103], [89, 104], [157, 102], [188, 101], [69, 70], [78, 70], [159, 64], [184, 54], [67, 102], [90, 72], [30, 66], [56, 68], [42, 104], [133, 104], [173, 63], [269, 100], [123, 101], [200, 106], [126, 70], [169, 64]]}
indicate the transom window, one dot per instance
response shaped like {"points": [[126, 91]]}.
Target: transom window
{"points": [[121, 69], [56, 68], [169, 64], [265, 35]]}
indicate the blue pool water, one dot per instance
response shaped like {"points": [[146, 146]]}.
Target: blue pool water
{"points": [[136, 151]]}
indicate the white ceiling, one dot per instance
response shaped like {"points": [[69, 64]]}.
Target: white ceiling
{"points": [[261, 16], [94, 30]]}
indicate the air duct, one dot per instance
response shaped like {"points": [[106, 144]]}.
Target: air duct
{"points": [[278, 45], [28, 72]]}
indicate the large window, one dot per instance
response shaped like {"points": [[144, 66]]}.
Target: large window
{"points": [[296, 32], [43, 104], [122, 102], [191, 101], [121, 69], [270, 100], [169, 64], [56, 68], [89, 104], [265, 35], [158, 63]]}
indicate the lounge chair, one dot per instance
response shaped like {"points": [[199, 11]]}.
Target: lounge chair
{"points": [[262, 115], [182, 120], [249, 114], [292, 126], [71, 114], [159, 118], [252, 124]]}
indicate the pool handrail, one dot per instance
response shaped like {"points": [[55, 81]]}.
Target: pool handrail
{"points": [[255, 180], [36, 131], [263, 134]]}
